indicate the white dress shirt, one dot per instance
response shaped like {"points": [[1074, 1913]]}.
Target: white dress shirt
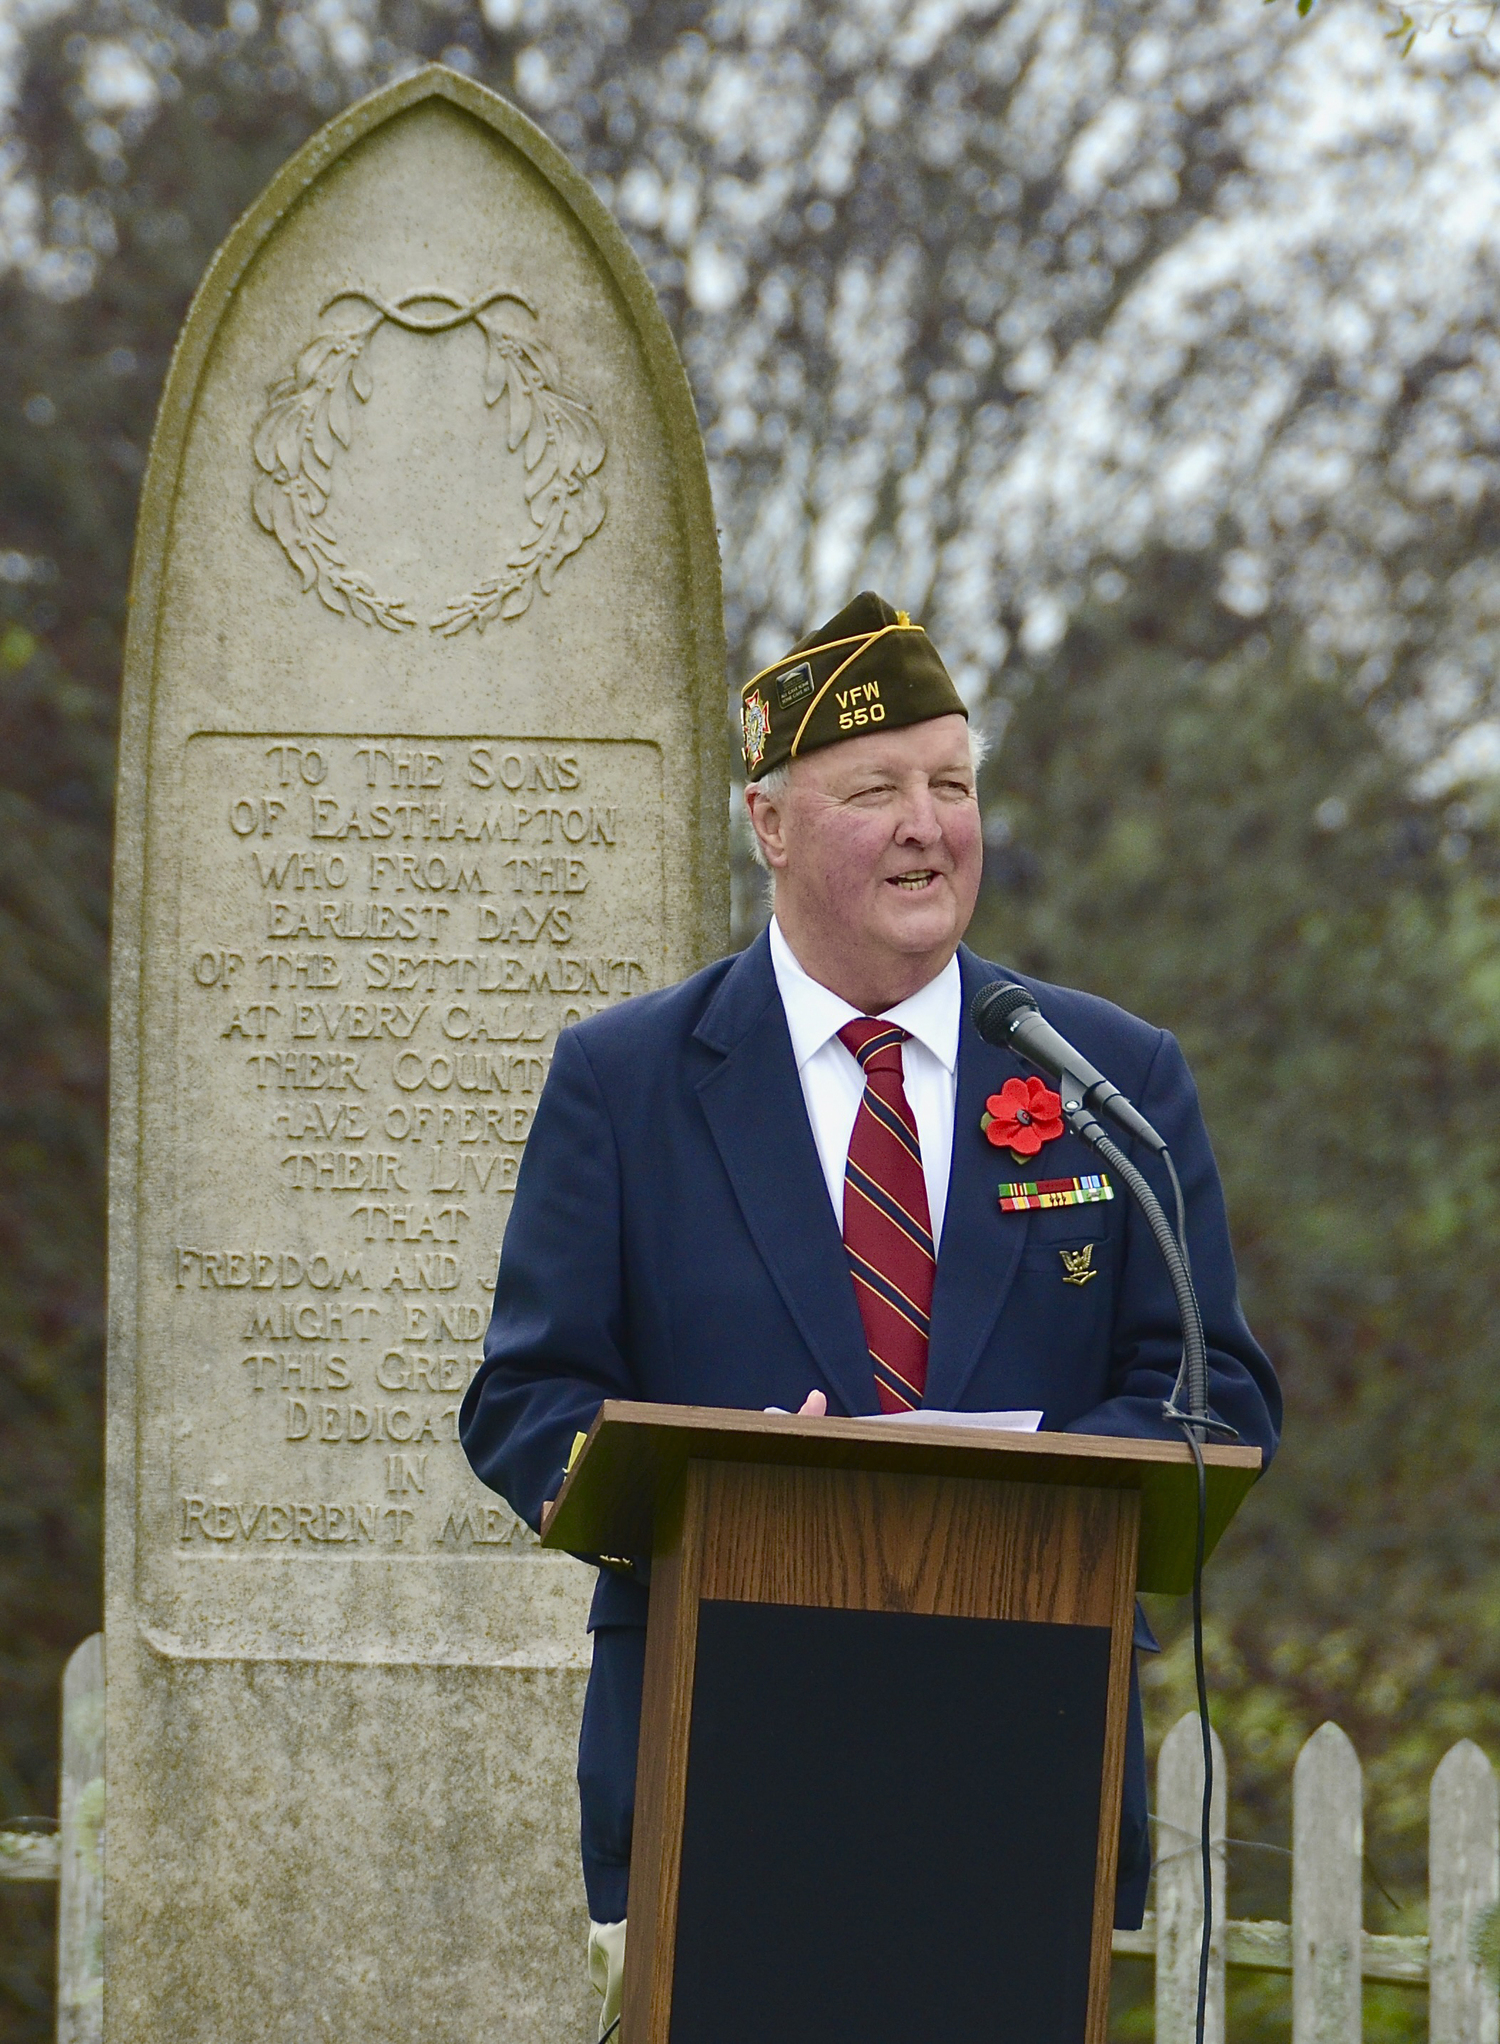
{"points": [[833, 1084]]}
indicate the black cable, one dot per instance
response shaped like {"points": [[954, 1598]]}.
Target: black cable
{"points": [[1196, 1422], [1190, 1434], [610, 2031]]}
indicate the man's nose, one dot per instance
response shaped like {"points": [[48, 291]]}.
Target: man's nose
{"points": [[919, 821]]}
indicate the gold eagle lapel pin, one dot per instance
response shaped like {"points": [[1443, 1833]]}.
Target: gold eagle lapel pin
{"points": [[1078, 1264]]}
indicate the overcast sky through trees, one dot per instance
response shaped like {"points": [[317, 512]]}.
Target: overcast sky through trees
{"points": [[977, 301]]}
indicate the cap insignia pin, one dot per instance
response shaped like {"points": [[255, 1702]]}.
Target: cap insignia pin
{"points": [[755, 722], [795, 686]]}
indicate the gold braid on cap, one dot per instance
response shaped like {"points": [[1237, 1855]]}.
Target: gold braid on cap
{"points": [[861, 642]]}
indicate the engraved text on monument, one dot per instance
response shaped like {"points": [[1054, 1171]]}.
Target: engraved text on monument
{"points": [[381, 938]]}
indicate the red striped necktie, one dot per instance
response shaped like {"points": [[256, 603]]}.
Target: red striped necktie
{"points": [[887, 1227]]}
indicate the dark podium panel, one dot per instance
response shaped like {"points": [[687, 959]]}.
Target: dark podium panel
{"points": [[840, 1765], [887, 1671]]}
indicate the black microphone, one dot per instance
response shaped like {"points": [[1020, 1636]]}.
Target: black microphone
{"points": [[1007, 1016]]}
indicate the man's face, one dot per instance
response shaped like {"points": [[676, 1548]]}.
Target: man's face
{"points": [[876, 850]]}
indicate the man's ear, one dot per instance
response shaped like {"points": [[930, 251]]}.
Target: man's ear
{"points": [[767, 821]]}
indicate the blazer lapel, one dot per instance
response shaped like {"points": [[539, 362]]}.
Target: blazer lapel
{"points": [[978, 1256], [755, 1111]]}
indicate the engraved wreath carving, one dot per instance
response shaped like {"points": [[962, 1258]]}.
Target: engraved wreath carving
{"points": [[308, 414]]}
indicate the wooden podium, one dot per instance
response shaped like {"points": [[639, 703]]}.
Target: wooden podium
{"points": [[882, 1743]]}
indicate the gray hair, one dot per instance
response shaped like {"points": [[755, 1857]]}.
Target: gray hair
{"points": [[778, 780]]}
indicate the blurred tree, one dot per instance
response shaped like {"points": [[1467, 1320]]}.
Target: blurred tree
{"points": [[971, 294], [1149, 353], [1186, 819]]}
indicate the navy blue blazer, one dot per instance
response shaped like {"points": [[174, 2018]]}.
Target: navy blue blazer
{"points": [[673, 1240]]}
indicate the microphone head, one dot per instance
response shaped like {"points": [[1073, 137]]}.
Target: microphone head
{"points": [[995, 1008]]}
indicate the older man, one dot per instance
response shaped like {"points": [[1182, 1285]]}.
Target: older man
{"points": [[776, 1184]]}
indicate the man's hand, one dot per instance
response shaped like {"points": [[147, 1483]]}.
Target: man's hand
{"points": [[813, 1406]]}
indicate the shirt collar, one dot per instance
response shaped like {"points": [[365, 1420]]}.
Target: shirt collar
{"points": [[814, 1014]]}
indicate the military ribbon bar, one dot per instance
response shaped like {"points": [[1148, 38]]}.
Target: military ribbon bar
{"points": [[1021, 1196]]}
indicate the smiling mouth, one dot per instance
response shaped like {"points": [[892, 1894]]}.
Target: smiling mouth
{"points": [[913, 883]]}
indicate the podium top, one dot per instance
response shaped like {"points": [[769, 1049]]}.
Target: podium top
{"points": [[635, 1452]]}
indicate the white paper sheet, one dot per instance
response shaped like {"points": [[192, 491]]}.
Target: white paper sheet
{"points": [[1002, 1422]]}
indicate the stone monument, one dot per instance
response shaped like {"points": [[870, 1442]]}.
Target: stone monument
{"points": [[423, 759]]}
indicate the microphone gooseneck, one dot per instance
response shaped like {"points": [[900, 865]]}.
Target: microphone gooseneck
{"points": [[1192, 1376], [1006, 1015]]}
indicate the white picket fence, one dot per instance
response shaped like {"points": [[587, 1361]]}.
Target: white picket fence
{"points": [[1324, 1948], [73, 1855]]}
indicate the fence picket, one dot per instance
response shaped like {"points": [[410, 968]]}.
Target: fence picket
{"points": [[1179, 1885], [1328, 1844], [80, 1901], [1463, 1862], [1324, 1947]]}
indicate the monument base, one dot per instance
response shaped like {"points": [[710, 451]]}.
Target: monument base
{"points": [[326, 1854]]}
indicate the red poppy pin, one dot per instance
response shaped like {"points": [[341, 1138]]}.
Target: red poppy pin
{"points": [[1022, 1116]]}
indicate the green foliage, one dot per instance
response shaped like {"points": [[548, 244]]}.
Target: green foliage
{"points": [[1186, 818], [56, 749], [71, 467]]}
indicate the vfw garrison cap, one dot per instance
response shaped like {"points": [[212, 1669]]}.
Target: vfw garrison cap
{"points": [[868, 669]]}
